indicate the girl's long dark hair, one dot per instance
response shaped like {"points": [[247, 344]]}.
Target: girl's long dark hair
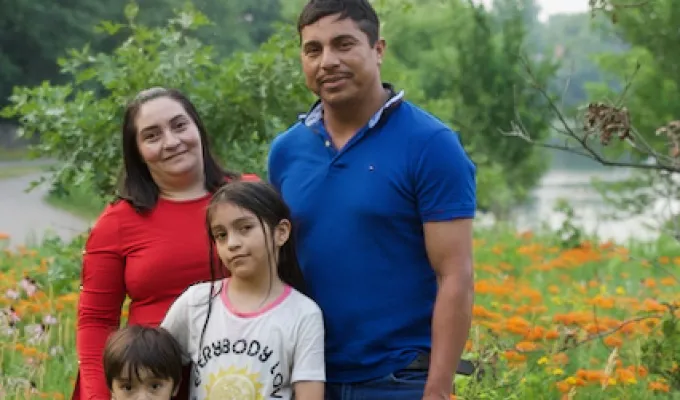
{"points": [[264, 201]]}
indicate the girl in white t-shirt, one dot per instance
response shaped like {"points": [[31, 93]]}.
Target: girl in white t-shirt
{"points": [[253, 335]]}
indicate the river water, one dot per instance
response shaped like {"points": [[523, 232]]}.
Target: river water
{"points": [[570, 178]]}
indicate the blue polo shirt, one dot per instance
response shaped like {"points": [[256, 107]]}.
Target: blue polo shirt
{"points": [[359, 215]]}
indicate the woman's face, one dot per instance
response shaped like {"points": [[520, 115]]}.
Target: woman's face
{"points": [[168, 139]]}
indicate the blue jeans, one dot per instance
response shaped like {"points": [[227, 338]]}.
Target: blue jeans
{"points": [[401, 385]]}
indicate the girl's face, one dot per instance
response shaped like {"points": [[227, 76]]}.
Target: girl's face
{"points": [[168, 139], [244, 247]]}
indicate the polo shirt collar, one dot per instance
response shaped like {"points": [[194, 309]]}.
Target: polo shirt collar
{"points": [[315, 114]]}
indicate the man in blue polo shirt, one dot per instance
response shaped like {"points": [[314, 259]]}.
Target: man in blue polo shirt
{"points": [[383, 198]]}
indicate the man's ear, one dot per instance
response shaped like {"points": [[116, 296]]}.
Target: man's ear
{"points": [[380, 47]]}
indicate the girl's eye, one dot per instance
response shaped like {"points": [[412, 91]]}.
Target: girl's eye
{"points": [[181, 125], [245, 228], [219, 235]]}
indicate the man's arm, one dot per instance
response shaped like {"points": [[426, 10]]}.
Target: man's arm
{"points": [[446, 192], [449, 248]]}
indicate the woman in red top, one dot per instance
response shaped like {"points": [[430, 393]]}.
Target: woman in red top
{"points": [[151, 244]]}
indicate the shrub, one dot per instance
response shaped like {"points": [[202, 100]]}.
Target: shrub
{"points": [[588, 321], [245, 99]]}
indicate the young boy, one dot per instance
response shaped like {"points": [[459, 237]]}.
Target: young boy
{"points": [[142, 363]]}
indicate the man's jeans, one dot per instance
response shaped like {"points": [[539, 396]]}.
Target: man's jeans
{"points": [[401, 385]]}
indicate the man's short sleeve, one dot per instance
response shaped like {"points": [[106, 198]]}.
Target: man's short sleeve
{"points": [[445, 179], [274, 164]]}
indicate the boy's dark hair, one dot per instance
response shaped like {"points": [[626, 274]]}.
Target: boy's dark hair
{"points": [[134, 348], [359, 11]]}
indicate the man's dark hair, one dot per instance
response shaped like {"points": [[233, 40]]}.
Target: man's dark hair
{"points": [[359, 11], [135, 348]]}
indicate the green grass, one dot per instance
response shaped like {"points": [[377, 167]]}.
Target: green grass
{"points": [[14, 154], [531, 295], [20, 170], [80, 202]]}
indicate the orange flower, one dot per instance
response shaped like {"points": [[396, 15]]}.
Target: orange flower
{"points": [[552, 334], [659, 386], [560, 358], [613, 341], [591, 375], [526, 346], [669, 281]]}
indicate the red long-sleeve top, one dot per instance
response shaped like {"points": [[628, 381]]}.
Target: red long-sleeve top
{"points": [[151, 258]]}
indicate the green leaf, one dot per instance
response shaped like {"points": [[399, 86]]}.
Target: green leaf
{"points": [[110, 28], [669, 328], [131, 10]]}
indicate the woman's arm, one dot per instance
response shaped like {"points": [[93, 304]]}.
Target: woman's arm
{"points": [[101, 299], [309, 372]]}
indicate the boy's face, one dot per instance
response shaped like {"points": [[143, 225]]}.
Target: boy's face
{"points": [[146, 386]]}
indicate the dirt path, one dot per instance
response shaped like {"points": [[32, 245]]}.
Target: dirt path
{"points": [[27, 218]]}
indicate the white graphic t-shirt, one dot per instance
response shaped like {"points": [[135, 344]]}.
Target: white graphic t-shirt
{"points": [[248, 356]]}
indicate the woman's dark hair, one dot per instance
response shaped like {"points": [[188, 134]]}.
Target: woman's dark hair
{"points": [[264, 201], [359, 11], [136, 184]]}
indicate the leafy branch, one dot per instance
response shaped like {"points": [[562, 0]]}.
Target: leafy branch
{"points": [[600, 123]]}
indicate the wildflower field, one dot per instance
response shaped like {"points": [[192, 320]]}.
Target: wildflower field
{"points": [[591, 321]]}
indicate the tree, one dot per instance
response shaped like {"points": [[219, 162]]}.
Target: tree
{"points": [[471, 77], [636, 126], [35, 33], [245, 99]]}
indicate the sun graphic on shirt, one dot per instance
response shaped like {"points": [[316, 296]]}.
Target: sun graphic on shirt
{"points": [[234, 384]]}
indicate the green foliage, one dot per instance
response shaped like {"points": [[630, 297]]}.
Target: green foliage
{"points": [[79, 201], [662, 352], [644, 193], [474, 78], [244, 99], [569, 233], [575, 40], [527, 291], [35, 33], [649, 95], [650, 76], [65, 263]]}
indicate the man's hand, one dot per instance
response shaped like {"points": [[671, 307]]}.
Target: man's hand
{"points": [[438, 397]]}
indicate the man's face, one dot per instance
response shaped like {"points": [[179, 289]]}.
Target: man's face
{"points": [[339, 63]]}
